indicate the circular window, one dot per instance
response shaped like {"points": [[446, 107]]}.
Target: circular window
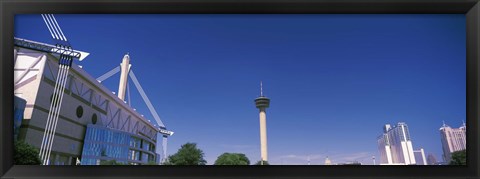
{"points": [[79, 111], [94, 119]]}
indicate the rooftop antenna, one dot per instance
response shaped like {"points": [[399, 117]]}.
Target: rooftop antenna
{"points": [[444, 125]]}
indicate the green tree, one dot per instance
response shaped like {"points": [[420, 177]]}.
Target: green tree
{"points": [[260, 163], [232, 159], [459, 158], [152, 163], [188, 154], [25, 154], [110, 162], [166, 162]]}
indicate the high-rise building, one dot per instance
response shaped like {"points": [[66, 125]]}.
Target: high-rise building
{"points": [[453, 139], [384, 146], [328, 161], [395, 146], [431, 160], [420, 157]]}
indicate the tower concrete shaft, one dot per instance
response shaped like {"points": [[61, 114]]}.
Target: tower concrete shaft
{"points": [[263, 135], [124, 69]]}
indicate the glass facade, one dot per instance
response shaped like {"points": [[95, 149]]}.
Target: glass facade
{"points": [[105, 144], [19, 109]]}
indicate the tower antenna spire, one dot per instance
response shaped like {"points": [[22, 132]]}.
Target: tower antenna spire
{"points": [[261, 88]]}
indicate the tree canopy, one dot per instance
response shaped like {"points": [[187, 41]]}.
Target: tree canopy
{"points": [[152, 163], [232, 159], [459, 158], [188, 154], [110, 162], [25, 154]]}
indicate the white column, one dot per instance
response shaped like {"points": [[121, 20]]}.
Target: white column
{"points": [[423, 157], [388, 153]]}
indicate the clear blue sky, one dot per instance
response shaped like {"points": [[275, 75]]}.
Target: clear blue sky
{"points": [[333, 80]]}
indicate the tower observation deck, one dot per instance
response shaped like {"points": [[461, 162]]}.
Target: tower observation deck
{"points": [[262, 102]]}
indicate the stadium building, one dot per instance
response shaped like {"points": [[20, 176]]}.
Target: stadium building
{"points": [[94, 125]]}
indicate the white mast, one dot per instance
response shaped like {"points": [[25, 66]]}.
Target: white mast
{"points": [[124, 68]]}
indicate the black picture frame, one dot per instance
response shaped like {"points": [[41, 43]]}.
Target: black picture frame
{"points": [[471, 9]]}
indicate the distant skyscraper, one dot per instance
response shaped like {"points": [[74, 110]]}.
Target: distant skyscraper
{"points": [[453, 139], [431, 160], [395, 145], [420, 158], [328, 162], [384, 146]]}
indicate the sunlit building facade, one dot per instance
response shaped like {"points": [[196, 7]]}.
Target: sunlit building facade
{"points": [[395, 145], [453, 139], [384, 146], [420, 157]]}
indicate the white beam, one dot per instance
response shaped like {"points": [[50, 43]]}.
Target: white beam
{"points": [[128, 94], [108, 74], [54, 27], [145, 99], [54, 35], [58, 26]]}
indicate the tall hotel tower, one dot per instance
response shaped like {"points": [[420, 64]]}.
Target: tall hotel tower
{"points": [[262, 103], [395, 145], [453, 139]]}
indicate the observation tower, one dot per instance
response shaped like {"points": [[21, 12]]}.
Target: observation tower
{"points": [[262, 103]]}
